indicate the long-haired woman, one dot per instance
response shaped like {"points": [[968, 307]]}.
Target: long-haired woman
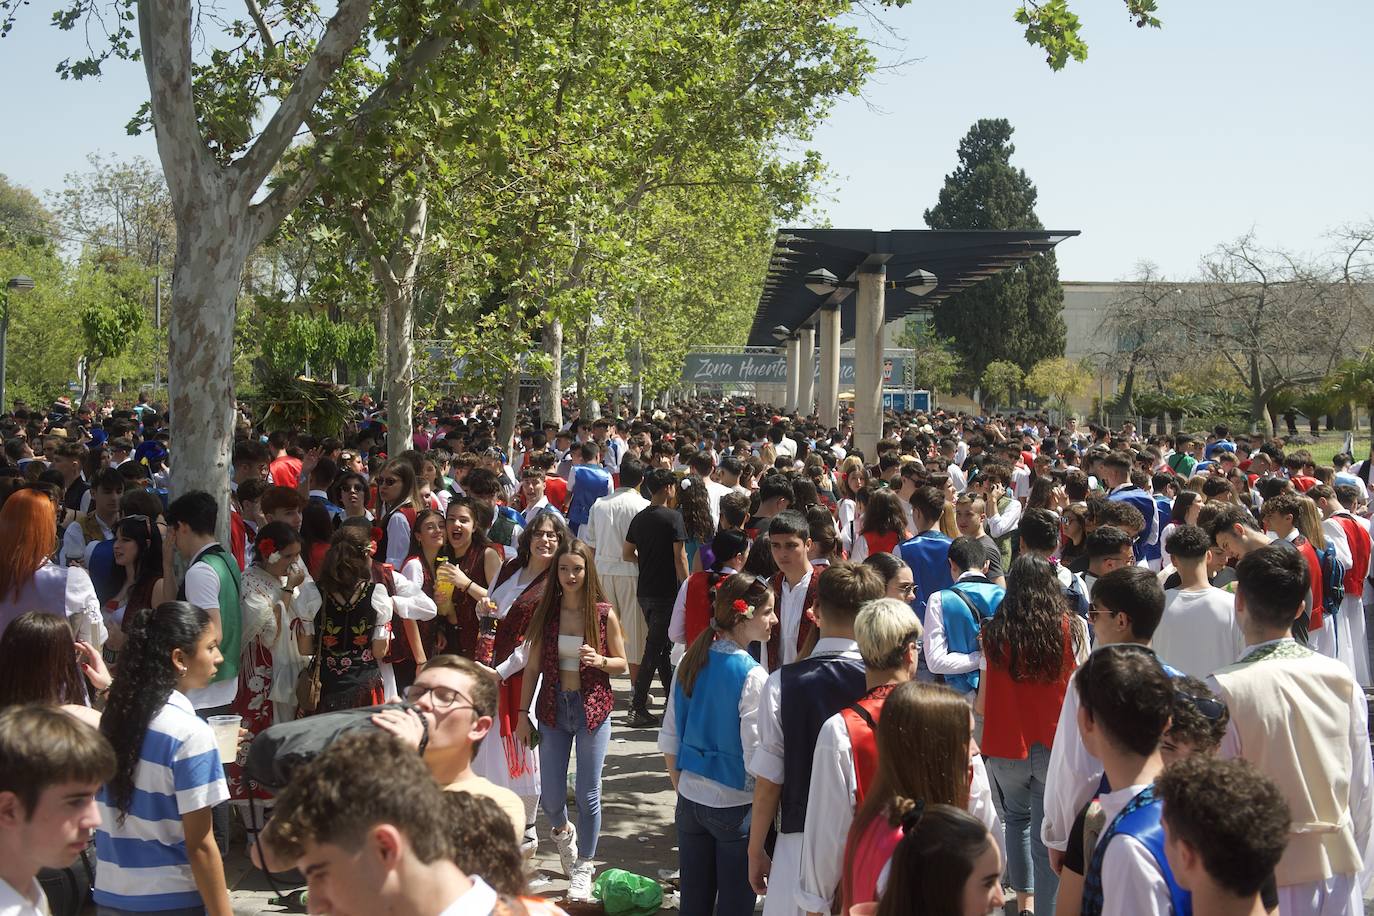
{"points": [[695, 505], [138, 561], [351, 612], [516, 595], [1029, 651], [695, 603], [30, 581], [853, 477], [349, 491], [428, 538], [883, 528], [897, 578], [462, 581], [947, 864], [710, 729], [37, 665], [398, 500], [1187, 505], [574, 637], [168, 773], [925, 753]]}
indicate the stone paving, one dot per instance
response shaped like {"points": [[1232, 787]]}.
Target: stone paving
{"points": [[637, 833]]}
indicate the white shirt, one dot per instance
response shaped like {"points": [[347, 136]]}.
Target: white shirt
{"points": [[830, 806], [539, 505], [957, 478], [766, 762], [397, 539], [202, 590], [694, 786], [939, 658], [1007, 520], [74, 540], [790, 611], [1020, 481], [1132, 884], [479, 900], [714, 491], [1198, 633], [1072, 777], [13, 903], [607, 522]]}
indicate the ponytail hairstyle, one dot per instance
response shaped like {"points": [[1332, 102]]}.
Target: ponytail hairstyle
{"points": [[144, 680], [939, 847], [735, 600]]}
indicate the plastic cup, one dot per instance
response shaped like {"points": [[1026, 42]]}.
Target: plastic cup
{"points": [[226, 729]]}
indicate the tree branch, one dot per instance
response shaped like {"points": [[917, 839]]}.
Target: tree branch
{"points": [[339, 37], [164, 28]]}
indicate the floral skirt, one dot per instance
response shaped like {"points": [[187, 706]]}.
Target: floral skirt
{"points": [[254, 703]]}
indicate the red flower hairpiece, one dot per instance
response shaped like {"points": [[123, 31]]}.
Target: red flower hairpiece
{"points": [[266, 547], [741, 605]]}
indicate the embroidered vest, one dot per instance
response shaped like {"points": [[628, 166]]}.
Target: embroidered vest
{"points": [[812, 690], [385, 523], [708, 721], [1140, 819], [964, 606], [861, 722], [597, 698]]}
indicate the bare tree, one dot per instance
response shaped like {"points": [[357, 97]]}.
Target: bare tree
{"points": [[1138, 327]]}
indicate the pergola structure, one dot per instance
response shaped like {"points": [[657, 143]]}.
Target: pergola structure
{"points": [[814, 271]]}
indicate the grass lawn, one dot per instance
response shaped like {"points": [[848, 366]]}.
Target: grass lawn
{"points": [[1330, 444]]}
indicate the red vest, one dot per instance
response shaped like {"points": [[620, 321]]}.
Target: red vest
{"points": [[699, 608], [1357, 536], [881, 541], [804, 626], [861, 721], [1022, 713], [1314, 569]]}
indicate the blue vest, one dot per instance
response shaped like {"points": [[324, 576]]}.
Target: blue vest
{"points": [[812, 690], [1139, 819], [708, 721], [590, 483], [961, 626], [928, 556], [106, 576], [1146, 505]]}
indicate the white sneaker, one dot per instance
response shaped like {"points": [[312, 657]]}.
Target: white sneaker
{"points": [[581, 887], [567, 848]]}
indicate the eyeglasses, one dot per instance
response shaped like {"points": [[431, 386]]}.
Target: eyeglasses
{"points": [[443, 697], [909, 590], [1096, 612], [1210, 708], [548, 534]]}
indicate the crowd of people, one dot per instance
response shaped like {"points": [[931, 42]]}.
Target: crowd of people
{"points": [[997, 661]]}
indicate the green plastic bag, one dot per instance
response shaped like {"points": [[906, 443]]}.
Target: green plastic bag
{"points": [[624, 893]]}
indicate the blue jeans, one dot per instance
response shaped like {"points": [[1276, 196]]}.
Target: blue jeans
{"points": [[555, 750], [713, 853], [1021, 784]]}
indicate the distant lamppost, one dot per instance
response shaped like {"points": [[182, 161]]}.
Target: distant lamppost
{"points": [[19, 284]]}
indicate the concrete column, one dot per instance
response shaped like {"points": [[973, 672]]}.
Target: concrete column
{"points": [[829, 395], [806, 387], [868, 361], [793, 347]]}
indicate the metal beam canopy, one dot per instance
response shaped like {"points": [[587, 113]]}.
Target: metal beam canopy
{"points": [[923, 268]]}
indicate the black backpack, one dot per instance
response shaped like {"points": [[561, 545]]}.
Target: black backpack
{"points": [[279, 751]]}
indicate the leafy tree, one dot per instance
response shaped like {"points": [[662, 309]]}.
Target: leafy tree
{"points": [[1059, 380], [1000, 380], [23, 218], [936, 361], [1015, 316]]}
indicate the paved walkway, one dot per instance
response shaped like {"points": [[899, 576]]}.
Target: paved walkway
{"points": [[636, 819]]}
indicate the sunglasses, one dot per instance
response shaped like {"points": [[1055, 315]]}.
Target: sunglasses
{"points": [[353, 488], [1212, 709], [388, 481]]}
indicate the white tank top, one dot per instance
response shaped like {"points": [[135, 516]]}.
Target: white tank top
{"points": [[568, 651]]}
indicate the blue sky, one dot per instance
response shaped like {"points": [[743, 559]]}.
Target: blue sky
{"points": [[1236, 115]]}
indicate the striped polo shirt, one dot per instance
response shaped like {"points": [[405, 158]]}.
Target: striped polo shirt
{"points": [[142, 862]]}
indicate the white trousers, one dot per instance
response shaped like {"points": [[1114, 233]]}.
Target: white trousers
{"points": [[1338, 895]]}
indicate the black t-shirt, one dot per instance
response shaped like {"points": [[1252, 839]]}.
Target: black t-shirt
{"points": [[654, 531], [72, 499]]}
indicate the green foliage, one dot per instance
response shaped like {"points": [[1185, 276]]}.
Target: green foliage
{"points": [[1058, 380], [1000, 380], [288, 402], [1015, 316], [320, 343], [937, 363]]}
